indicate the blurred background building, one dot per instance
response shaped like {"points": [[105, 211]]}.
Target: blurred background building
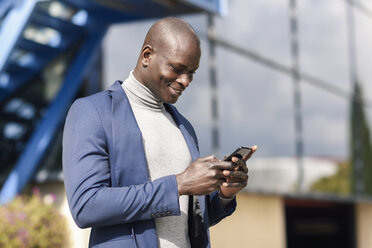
{"points": [[292, 77]]}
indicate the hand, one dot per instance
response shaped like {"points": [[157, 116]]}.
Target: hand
{"points": [[237, 178], [203, 176]]}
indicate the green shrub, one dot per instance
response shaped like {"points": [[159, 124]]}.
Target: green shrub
{"points": [[32, 221], [338, 183]]}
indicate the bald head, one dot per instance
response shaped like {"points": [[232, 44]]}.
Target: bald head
{"points": [[170, 31]]}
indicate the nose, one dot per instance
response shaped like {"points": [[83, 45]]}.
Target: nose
{"points": [[184, 79]]}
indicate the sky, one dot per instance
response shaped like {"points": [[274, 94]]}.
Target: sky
{"points": [[256, 102]]}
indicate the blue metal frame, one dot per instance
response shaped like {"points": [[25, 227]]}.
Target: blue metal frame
{"points": [[12, 28], [43, 135], [45, 53], [5, 5], [214, 6], [133, 10]]}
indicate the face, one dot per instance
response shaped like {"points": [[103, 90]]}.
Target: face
{"points": [[170, 71]]}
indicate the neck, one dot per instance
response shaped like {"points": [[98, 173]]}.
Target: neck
{"points": [[140, 95], [137, 75]]}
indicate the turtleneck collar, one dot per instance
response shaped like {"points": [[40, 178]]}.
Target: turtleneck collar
{"points": [[140, 95]]}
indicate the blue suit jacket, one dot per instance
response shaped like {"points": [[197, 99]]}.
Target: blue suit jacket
{"points": [[106, 177]]}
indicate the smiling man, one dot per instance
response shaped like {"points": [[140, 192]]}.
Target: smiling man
{"points": [[131, 162]]}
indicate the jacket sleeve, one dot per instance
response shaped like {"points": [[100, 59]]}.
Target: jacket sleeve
{"points": [[216, 212], [92, 200]]}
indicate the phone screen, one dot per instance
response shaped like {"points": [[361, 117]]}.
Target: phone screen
{"points": [[241, 153]]}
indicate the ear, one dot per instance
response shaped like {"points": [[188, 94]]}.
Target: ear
{"points": [[147, 52]]}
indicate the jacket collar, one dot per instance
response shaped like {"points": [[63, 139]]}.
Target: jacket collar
{"points": [[115, 86]]}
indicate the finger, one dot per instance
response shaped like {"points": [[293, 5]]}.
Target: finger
{"points": [[254, 149], [235, 175], [226, 173], [208, 158], [240, 163], [238, 175], [221, 165], [219, 175], [243, 179], [234, 185]]}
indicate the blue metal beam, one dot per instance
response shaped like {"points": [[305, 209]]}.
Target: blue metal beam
{"points": [[215, 6], [18, 80], [12, 28], [5, 5], [42, 136], [125, 11], [31, 68], [38, 48], [42, 18]]}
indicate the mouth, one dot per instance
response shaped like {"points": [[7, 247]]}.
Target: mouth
{"points": [[176, 91]]}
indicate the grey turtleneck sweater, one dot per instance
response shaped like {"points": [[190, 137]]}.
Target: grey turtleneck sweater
{"points": [[166, 153]]}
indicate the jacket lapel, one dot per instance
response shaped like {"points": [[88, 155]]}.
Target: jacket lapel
{"points": [[129, 154], [194, 154], [186, 134]]}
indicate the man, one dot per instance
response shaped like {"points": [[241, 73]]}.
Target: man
{"points": [[131, 161]]}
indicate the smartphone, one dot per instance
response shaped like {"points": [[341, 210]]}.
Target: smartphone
{"points": [[241, 153]]}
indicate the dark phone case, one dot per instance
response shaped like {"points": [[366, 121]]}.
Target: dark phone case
{"points": [[241, 152]]}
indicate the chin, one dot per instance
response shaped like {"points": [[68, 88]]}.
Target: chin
{"points": [[171, 100]]}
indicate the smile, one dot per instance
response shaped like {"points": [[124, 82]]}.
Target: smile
{"points": [[177, 91]]}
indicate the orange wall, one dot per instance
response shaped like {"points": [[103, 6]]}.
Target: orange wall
{"points": [[364, 224], [258, 222]]}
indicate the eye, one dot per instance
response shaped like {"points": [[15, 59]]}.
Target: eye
{"points": [[176, 70]]}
